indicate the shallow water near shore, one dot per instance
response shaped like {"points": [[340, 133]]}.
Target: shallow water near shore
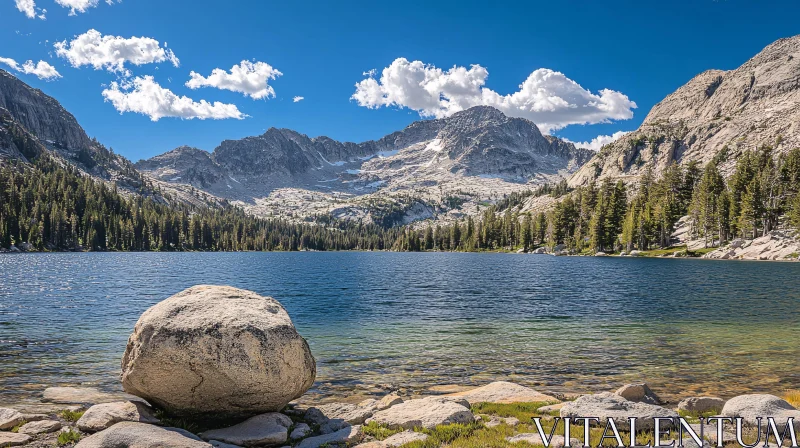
{"points": [[559, 324]]}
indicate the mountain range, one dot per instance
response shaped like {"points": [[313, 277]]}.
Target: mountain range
{"points": [[716, 113], [443, 168]]}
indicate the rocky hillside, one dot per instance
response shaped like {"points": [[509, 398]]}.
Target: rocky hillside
{"points": [[717, 112], [28, 111], [478, 154]]}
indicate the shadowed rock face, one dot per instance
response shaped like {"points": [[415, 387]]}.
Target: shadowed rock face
{"points": [[217, 351], [40, 114], [756, 104]]}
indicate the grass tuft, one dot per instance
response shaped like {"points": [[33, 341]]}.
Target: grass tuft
{"points": [[522, 411], [20, 425], [378, 431], [71, 416], [68, 437]]}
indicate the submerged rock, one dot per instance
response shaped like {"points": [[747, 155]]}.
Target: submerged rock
{"points": [[217, 350], [142, 435], [102, 416], [425, 413], [266, 429]]}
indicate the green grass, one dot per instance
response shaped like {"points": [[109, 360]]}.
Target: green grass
{"points": [[447, 435], [71, 416], [68, 437], [671, 250], [477, 435], [522, 411], [378, 431], [701, 252], [662, 252]]}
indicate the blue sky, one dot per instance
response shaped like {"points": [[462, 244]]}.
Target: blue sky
{"points": [[639, 50]]}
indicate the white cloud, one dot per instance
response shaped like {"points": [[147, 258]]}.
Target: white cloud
{"points": [[113, 52], [145, 96], [41, 69], [76, 6], [248, 78], [598, 142], [546, 97], [297, 99], [28, 7]]}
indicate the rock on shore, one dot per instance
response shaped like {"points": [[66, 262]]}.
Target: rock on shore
{"points": [[503, 392], [142, 435], [777, 245], [425, 413], [751, 407], [612, 406], [217, 350]]}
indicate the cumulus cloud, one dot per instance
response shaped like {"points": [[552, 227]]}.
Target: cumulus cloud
{"points": [[145, 96], [41, 69], [113, 52], [76, 6], [28, 7], [546, 97], [297, 99], [598, 142], [249, 78]]}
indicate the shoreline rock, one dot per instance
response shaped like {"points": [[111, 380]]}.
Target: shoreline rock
{"points": [[217, 351]]}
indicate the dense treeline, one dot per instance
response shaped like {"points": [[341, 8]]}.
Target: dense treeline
{"points": [[608, 217], [53, 207]]}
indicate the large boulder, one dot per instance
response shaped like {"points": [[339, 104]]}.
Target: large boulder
{"points": [[701, 404], [142, 435], [752, 406], [612, 406], [217, 350], [425, 413], [503, 392], [103, 416], [271, 428]]}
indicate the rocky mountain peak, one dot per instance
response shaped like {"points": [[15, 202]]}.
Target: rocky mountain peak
{"points": [[716, 112], [41, 115]]}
